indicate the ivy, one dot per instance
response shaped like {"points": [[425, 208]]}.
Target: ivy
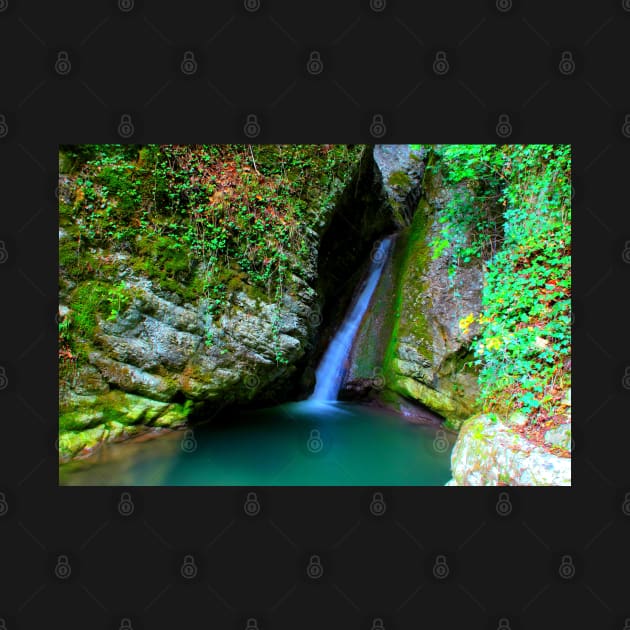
{"points": [[201, 221], [511, 209]]}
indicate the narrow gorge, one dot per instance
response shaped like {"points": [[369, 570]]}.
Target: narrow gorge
{"points": [[314, 315]]}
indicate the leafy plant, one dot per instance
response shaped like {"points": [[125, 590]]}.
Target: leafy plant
{"points": [[524, 345]]}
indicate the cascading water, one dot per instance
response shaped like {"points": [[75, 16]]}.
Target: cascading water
{"points": [[331, 370]]}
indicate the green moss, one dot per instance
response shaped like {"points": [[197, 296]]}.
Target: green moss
{"points": [[86, 302], [165, 260], [412, 321], [408, 320], [72, 442], [410, 325], [92, 299], [399, 179], [87, 421], [71, 260]]}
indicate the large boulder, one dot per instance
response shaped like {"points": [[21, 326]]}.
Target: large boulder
{"points": [[488, 453]]}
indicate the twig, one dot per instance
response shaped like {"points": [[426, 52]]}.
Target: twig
{"points": [[253, 160]]}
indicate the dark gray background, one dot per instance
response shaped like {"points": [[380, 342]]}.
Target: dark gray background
{"points": [[504, 59]]}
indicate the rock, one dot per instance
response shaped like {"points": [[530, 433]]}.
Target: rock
{"points": [[488, 453], [420, 348], [65, 189], [401, 169], [87, 421], [559, 436], [132, 379], [81, 419], [429, 347], [88, 380], [163, 347], [517, 419], [438, 401]]}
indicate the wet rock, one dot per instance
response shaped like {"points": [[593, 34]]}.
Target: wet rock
{"points": [[430, 352]]}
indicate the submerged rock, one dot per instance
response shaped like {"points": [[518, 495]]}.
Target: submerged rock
{"points": [[489, 453]]}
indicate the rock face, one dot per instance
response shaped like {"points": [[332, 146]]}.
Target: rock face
{"points": [[161, 358], [401, 169], [488, 453], [165, 353], [417, 350]]}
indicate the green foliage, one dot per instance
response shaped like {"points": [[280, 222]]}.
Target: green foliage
{"points": [[527, 298], [78, 154], [523, 349], [471, 219], [200, 221], [88, 301]]}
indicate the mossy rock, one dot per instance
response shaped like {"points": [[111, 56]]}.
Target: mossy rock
{"points": [[489, 453], [427, 359], [87, 421]]}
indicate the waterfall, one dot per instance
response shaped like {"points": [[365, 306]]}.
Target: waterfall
{"points": [[330, 372]]}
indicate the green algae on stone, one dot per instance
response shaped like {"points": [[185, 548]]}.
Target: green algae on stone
{"points": [[87, 421]]}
